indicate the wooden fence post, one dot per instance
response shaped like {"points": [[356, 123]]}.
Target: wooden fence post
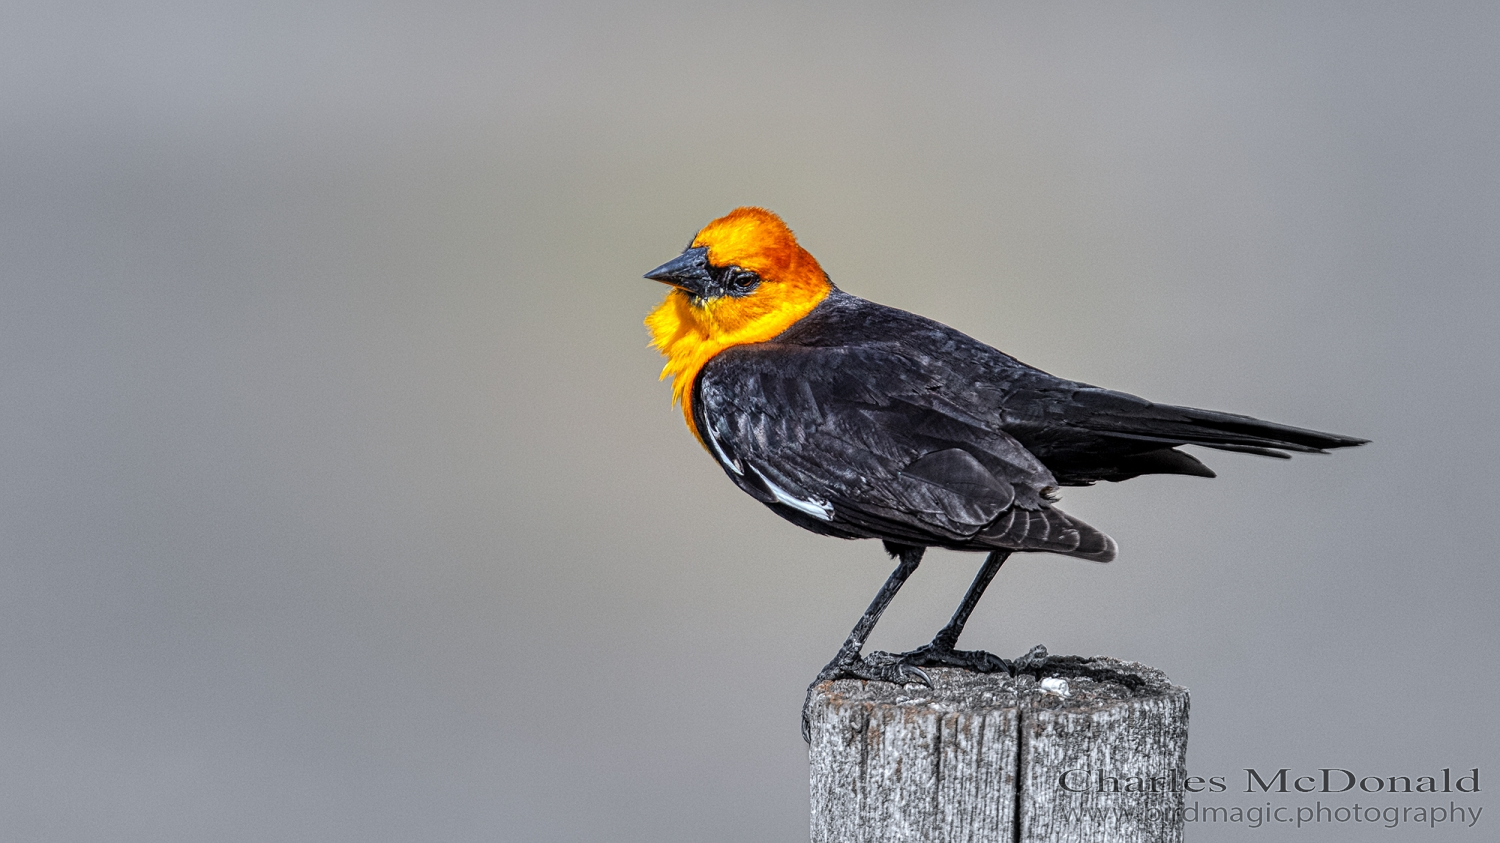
{"points": [[1072, 749]]}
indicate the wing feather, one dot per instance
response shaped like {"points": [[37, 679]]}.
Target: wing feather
{"points": [[869, 432]]}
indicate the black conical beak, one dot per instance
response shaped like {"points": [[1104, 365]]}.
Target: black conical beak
{"points": [[688, 271]]}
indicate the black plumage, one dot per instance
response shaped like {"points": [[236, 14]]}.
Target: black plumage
{"points": [[864, 421]]}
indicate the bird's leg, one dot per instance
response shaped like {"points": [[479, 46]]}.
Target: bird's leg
{"points": [[848, 663], [941, 652]]}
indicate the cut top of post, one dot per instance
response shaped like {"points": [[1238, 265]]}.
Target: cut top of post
{"points": [[1043, 683], [994, 757]]}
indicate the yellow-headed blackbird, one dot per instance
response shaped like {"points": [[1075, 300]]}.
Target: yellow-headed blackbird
{"points": [[856, 420]]}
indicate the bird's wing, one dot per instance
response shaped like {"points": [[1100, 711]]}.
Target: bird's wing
{"points": [[1081, 433], [864, 441]]}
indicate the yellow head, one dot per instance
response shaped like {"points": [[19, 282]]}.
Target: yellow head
{"points": [[743, 279]]}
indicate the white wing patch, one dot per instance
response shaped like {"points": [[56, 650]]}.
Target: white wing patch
{"points": [[821, 510], [713, 441]]}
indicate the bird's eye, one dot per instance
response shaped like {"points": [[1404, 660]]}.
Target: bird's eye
{"points": [[741, 281]]}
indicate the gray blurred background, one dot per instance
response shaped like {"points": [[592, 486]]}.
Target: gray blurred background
{"points": [[341, 502]]}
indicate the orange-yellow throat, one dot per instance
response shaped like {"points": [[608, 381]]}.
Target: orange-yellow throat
{"points": [[689, 332]]}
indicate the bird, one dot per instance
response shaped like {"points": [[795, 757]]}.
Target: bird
{"points": [[857, 420]]}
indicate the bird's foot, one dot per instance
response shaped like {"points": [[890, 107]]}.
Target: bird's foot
{"points": [[857, 667], [938, 654]]}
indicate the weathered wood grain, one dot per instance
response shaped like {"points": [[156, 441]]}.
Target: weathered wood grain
{"points": [[982, 758]]}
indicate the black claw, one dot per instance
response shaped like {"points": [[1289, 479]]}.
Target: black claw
{"points": [[877, 667], [935, 655]]}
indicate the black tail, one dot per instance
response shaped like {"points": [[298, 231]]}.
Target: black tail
{"points": [[1171, 425], [1100, 434]]}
